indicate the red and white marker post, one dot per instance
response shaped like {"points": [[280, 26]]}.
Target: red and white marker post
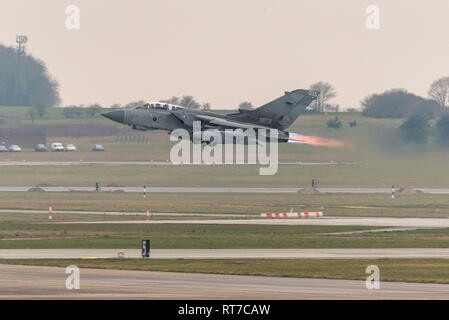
{"points": [[147, 217], [50, 211]]}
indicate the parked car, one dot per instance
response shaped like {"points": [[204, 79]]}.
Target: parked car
{"points": [[98, 147], [70, 147], [14, 148], [40, 148], [57, 147], [3, 149]]}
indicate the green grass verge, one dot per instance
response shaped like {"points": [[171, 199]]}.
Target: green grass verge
{"points": [[361, 175], [195, 236], [379, 205]]}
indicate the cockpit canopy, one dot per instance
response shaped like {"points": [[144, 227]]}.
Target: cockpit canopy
{"points": [[159, 105]]}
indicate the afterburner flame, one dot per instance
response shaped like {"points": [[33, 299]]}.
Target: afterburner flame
{"points": [[314, 140]]}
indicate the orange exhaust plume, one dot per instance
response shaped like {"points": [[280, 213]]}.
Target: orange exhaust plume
{"points": [[315, 141]]}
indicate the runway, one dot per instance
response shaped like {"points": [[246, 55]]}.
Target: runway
{"points": [[153, 189], [215, 189], [30, 282], [364, 253], [420, 223]]}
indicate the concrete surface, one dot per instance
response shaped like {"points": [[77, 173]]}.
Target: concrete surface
{"points": [[364, 253], [29, 282], [323, 221], [216, 189]]}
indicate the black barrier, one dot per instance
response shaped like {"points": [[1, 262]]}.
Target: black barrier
{"points": [[98, 186], [145, 249], [314, 183]]}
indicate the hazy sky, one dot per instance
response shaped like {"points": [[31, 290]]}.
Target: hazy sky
{"points": [[225, 52]]}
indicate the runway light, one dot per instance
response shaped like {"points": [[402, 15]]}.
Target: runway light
{"points": [[314, 140]]}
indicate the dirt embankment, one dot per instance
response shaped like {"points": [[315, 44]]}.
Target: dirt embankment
{"points": [[308, 190]]}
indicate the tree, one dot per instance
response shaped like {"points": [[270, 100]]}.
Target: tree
{"points": [[443, 128], [353, 123], [116, 106], [68, 112], [246, 106], [25, 81], [40, 110], [92, 110], [32, 114], [135, 104], [334, 123], [326, 92], [439, 91], [78, 111], [398, 103], [189, 102], [415, 129], [173, 100]]}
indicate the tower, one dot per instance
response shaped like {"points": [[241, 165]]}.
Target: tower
{"points": [[21, 41]]}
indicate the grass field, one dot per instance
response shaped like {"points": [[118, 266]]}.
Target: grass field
{"points": [[18, 230], [228, 176], [410, 270], [29, 225], [22, 112], [379, 205]]}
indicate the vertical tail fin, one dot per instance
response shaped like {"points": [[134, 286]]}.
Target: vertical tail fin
{"points": [[281, 112]]}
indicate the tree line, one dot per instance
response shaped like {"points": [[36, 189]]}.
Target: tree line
{"points": [[321, 104], [186, 101], [399, 103], [82, 111]]}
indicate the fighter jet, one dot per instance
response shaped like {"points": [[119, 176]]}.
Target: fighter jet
{"points": [[278, 114]]}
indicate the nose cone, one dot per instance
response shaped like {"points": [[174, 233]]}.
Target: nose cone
{"points": [[116, 115]]}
